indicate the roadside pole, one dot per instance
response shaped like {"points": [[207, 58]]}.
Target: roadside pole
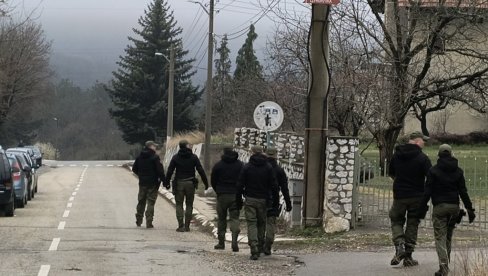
{"points": [[316, 120], [171, 85], [208, 98]]}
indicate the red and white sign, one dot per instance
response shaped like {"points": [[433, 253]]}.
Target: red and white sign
{"points": [[323, 2]]}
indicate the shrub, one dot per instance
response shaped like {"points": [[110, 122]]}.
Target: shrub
{"points": [[478, 137]]}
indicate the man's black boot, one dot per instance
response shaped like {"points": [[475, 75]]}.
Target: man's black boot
{"points": [[409, 261], [235, 243], [221, 244], [443, 270], [399, 254], [187, 224], [149, 224], [267, 249], [181, 226]]}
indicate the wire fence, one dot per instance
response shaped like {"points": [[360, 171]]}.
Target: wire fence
{"points": [[374, 193]]}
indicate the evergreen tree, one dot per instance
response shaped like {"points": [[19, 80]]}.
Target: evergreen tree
{"points": [[247, 64], [223, 98], [139, 89]]}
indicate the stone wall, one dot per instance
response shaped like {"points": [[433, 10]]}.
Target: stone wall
{"points": [[341, 153]]}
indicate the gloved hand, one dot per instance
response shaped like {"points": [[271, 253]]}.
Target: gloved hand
{"points": [[422, 211], [288, 207], [471, 215]]}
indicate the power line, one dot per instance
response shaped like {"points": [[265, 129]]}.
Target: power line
{"points": [[195, 21]]}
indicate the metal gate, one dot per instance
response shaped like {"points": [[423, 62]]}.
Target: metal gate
{"points": [[373, 193]]}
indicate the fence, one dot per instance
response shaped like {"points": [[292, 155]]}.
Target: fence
{"points": [[373, 193]]}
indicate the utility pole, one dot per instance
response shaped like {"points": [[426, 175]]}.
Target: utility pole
{"points": [[208, 98], [316, 120], [171, 87]]}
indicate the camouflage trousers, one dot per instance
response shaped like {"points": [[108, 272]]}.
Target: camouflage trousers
{"points": [[270, 229], [255, 211], [226, 203], [405, 222], [444, 217], [147, 195], [185, 191]]}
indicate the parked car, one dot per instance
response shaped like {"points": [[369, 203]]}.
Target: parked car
{"points": [[37, 155], [29, 151], [7, 191], [31, 175], [21, 181]]}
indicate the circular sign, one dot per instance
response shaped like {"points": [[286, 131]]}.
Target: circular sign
{"points": [[268, 116]]}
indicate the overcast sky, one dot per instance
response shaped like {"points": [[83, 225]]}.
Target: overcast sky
{"points": [[89, 35]]}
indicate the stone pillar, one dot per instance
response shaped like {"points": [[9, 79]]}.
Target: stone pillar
{"points": [[339, 183]]}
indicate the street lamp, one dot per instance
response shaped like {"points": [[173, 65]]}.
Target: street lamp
{"points": [[171, 60]]}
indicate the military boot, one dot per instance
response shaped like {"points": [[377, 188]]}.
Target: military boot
{"points": [[409, 261], [399, 254], [149, 224], [267, 249], [443, 270], [187, 224], [181, 226], [254, 253], [138, 221], [235, 244], [221, 244]]}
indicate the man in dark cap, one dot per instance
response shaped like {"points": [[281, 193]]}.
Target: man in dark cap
{"points": [[224, 181], [274, 211], [185, 163], [257, 182], [150, 171], [445, 184], [408, 168]]}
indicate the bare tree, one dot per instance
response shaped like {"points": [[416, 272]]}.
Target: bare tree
{"points": [[24, 64]]}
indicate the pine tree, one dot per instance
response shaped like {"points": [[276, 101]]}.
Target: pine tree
{"points": [[223, 98], [247, 64], [140, 86]]}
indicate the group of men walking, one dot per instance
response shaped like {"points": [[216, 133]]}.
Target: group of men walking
{"points": [[254, 186], [416, 182]]}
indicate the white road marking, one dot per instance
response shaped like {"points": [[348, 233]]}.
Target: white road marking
{"points": [[72, 198], [85, 166], [54, 244], [77, 188], [61, 225], [60, 165], [98, 165], [73, 165], [70, 204], [119, 165], [110, 165], [66, 213], [73, 194], [44, 271]]}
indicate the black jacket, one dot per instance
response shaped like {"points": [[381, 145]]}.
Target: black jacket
{"points": [[257, 179], [226, 173], [445, 183], [148, 168], [185, 163], [282, 180], [409, 167]]}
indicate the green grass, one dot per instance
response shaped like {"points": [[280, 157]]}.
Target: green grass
{"points": [[473, 159]]}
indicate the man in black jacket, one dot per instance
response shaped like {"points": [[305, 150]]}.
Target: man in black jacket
{"points": [[224, 181], [445, 184], [184, 185], [408, 168], [150, 171], [274, 211], [257, 182]]}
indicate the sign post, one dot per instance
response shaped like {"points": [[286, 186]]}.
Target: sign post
{"points": [[268, 116]]}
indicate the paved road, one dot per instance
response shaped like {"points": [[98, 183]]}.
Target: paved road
{"points": [[82, 223]]}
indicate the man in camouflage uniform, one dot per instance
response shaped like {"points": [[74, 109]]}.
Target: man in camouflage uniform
{"points": [[224, 181], [257, 182], [445, 184], [408, 168], [184, 185], [149, 169]]}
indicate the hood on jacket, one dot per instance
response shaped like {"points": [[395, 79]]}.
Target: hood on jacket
{"points": [[258, 159], [230, 156], [147, 153], [447, 163], [185, 153], [408, 151]]}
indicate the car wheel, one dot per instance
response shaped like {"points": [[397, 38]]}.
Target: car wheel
{"points": [[10, 208], [35, 190], [25, 199], [32, 196], [29, 193]]}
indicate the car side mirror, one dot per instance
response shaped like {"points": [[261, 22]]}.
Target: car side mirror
{"points": [[27, 169], [15, 169]]}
